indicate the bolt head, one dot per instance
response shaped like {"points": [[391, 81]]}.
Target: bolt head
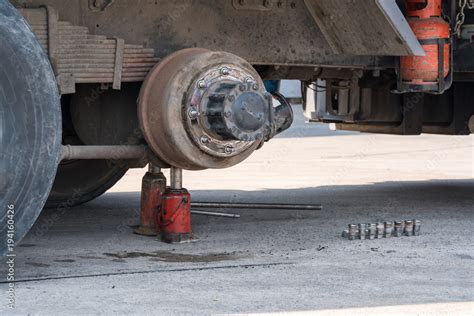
{"points": [[201, 84], [231, 98], [225, 71], [255, 87], [205, 139], [228, 114], [229, 149], [249, 80], [242, 88], [193, 113]]}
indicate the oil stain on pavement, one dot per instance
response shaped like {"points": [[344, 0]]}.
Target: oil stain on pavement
{"points": [[165, 256]]}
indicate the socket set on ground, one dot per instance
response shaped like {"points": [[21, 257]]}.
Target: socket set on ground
{"points": [[382, 230]]}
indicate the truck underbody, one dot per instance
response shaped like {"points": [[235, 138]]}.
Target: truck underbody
{"points": [[360, 63], [281, 39]]}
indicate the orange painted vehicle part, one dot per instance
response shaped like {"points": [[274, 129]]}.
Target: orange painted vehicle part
{"points": [[425, 18]]}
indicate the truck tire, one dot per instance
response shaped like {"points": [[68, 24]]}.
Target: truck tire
{"points": [[94, 117], [30, 127], [80, 181]]}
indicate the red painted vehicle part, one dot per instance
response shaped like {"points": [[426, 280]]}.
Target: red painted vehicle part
{"points": [[425, 18], [175, 216]]}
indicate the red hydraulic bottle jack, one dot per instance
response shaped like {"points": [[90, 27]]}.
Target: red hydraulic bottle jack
{"points": [[174, 220], [153, 186]]}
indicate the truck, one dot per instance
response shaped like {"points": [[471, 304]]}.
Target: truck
{"points": [[92, 88]]}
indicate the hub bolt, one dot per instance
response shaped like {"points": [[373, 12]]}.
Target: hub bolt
{"points": [[249, 80], [255, 87], [225, 71], [205, 139], [229, 149], [201, 84], [193, 113]]}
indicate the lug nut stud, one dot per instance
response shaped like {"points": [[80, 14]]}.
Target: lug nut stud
{"points": [[225, 71], [204, 139], [229, 149], [202, 84], [193, 113]]}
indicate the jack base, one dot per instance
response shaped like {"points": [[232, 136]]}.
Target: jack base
{"points": [[171, 238]]}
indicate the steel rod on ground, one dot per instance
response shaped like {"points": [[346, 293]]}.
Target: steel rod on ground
{"points": [[259, 206], [214, 214]]}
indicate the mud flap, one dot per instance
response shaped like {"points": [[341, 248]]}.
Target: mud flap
{"points": [[30, 127]]}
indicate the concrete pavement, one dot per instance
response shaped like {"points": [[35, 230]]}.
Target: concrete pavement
{"points": [[87, 261]]}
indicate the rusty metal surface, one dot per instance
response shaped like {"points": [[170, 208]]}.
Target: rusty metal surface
{"points": [[281, 34], [162, 114], [259, 5], [69, 152], [81, 57], [104, 117]]}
